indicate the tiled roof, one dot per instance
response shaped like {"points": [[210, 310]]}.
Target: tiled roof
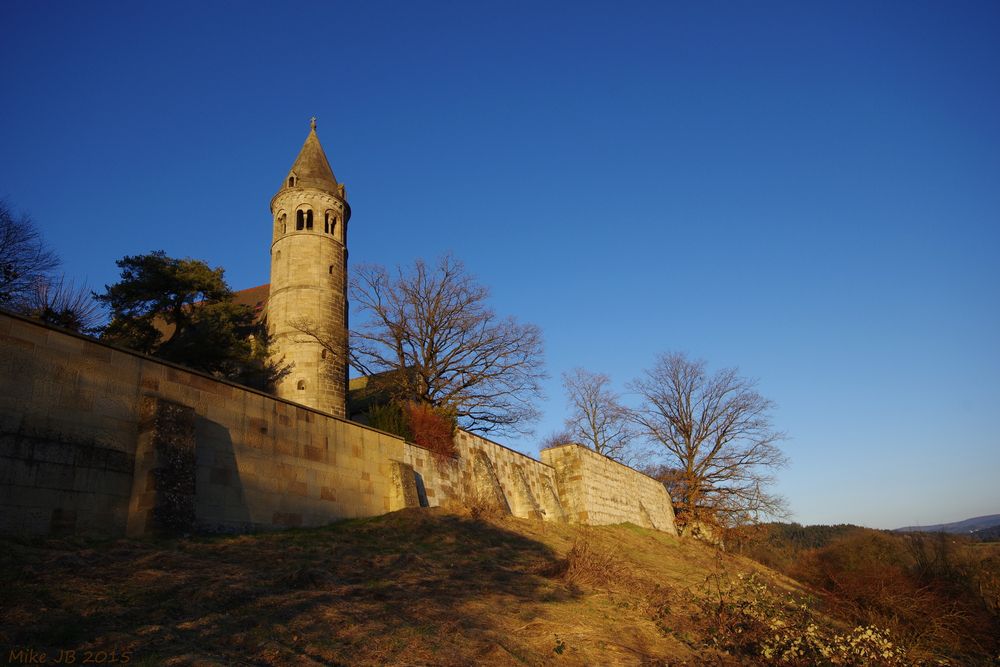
{"points": [[311, 168]]}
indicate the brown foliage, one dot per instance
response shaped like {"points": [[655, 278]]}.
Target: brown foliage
{"points": [[589, 566], [432, 428], [429, 427], [919, 587], [988, 583]]}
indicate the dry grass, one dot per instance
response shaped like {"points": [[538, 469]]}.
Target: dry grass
{"points": [[484, 506], [409, 588]]}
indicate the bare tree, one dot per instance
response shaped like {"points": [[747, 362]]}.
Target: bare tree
{"points": [[56, 301], [597, 417], [434, 324], [556, 439], [716, 432], [25, 260]]}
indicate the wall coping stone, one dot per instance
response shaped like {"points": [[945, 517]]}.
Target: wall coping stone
{"points": [[591, 451], [192, 371]]}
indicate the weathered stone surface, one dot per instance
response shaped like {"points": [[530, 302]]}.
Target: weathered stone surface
{"points": [[404, 486], [163, 492], [259, 462], [597, 490], [307, 300]]}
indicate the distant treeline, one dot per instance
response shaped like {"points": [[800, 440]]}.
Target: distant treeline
{"points": [[778, 545], [991, 534]]}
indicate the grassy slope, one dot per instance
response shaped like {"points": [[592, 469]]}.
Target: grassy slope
{"points": [[412, 587]]}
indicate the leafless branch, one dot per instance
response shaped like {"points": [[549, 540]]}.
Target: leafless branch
{"points": [[597, 417], [25, 260], [59, 302], [434, 322], [716, 432]]}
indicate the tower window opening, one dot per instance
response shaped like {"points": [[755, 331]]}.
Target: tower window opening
{"points": [[333, 223], [291, 181], [309, 219], [301, 386], [331, 269], [322, 355], [299, 220], [326, 227]]}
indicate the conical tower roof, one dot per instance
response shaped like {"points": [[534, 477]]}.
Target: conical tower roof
{"points": [[311, 168]]}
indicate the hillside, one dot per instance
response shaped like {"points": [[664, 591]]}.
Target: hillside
{"points": [[964, 526], [413, 587]]}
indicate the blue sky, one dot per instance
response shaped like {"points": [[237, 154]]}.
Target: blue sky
{"points": [[809, 191]]}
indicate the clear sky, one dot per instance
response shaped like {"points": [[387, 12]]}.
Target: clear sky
{"points": [[809, 191]]}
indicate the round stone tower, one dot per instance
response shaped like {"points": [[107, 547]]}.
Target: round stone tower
{"points": [[307, 303]]}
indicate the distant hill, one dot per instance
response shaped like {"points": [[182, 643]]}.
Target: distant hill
{"points": [[966, 526]]}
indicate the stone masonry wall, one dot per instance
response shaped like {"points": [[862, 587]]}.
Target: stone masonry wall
{"points": [[67, 432], [71, 416], [526, 486], [96, 440], [597, 490]]}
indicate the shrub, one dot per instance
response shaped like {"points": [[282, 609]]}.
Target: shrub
{"points": [[744, 617], [482, 505], [390, 418], [595, 568], [432, 429], [918, 587]]}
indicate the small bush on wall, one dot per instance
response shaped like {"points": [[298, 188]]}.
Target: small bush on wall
{"points": [[432, 428], [391, 418]]}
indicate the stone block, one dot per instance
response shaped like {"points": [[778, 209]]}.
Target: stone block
{"points": [[62, 522], [221, 476], [23, 331], [287, 519], [55, 476], [35, 520], [284, 447]]}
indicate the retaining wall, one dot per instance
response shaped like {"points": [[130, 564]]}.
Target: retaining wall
{"points": [[596, 490], [98, 440]]}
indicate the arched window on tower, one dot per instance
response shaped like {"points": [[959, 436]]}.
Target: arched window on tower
{"points": [[326, 222], [301, 386], [282, 223], [299, 219], [291, 181], [309, 219], [333, 222]]}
